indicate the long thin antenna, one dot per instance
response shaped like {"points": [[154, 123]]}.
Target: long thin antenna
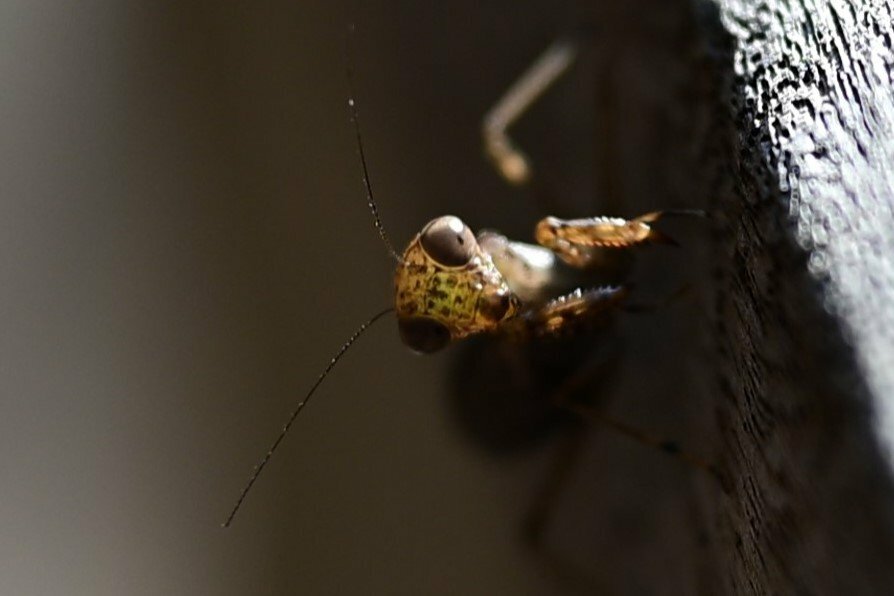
{"points": [[355, 120], [285, 429]]}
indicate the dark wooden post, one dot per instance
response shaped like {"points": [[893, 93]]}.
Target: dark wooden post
{"points": [[803, 325]]}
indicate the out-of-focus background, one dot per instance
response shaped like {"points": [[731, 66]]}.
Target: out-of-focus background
{"points": [[185, 243]]}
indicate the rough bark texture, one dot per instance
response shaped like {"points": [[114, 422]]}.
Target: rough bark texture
{"points": [[804, 298]]}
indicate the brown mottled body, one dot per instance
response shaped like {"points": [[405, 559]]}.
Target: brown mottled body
{"points": [[450, 285]]}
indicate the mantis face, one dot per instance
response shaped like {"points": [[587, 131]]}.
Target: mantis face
{"points": [[447, 288]]}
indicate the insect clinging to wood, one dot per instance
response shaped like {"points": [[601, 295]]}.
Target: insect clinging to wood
{"points": [[451, 284]]}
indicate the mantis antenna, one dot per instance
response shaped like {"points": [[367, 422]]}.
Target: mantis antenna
{"points": [[355, 120], [285, 429]]}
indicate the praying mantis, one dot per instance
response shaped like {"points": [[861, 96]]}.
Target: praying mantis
{"points": [[451, 284]]}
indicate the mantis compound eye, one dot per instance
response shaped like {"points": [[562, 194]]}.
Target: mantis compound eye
{"points": [[448, 241], [422, 334]]}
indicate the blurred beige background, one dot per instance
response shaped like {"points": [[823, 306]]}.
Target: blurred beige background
{"points": [[185, 243]]}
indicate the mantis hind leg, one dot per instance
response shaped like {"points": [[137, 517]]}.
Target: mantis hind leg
{"points": [[511, 163], [596, 415], [569, 396]]}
